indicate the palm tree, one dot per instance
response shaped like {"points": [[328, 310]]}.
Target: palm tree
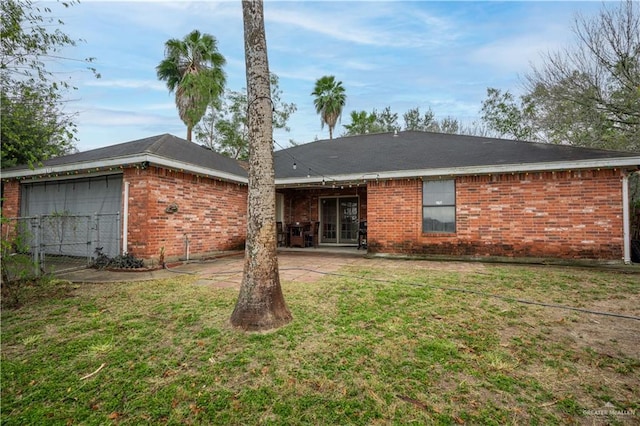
{"points": [[329, 101], [261, 304], [192, 67]]}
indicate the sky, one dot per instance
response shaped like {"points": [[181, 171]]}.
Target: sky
{"points": [[401, 54]]}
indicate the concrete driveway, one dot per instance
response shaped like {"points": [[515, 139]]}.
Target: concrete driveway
{"points": [[305, 265]]}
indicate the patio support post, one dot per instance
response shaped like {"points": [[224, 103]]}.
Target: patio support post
{"points": [[88, 240], [118, 236], [125, 219], [626, 232], [36, 223], [96, 230]]}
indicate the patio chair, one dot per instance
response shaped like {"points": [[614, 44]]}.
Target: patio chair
{"points": [[281, 235], [311, 235], [362, 235]]}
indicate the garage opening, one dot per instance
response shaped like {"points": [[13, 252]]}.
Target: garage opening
{"points": [[75, 212]]}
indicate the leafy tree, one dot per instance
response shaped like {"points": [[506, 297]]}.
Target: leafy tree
{"points": [[476, 128], [506, 117], [329, 101], [595, 84], [362, 122], [261, 304], [427, 122], [192, 68], [449, 125], [413, 120], [34, 125], [374, 122], [281, 110], [585, 95], [387, 121], [224, 130]]}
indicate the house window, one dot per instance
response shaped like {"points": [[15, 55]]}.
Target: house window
{"points": [[439, 206]]}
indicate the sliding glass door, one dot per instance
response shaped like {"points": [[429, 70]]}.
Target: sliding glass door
{"points": [[339, 220]]}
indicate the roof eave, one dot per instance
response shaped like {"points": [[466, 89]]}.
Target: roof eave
{"points": [[467, 170], [126, 161], [173, 164]]}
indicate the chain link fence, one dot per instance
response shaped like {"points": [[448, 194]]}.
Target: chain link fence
{"points": [[58, 242]]}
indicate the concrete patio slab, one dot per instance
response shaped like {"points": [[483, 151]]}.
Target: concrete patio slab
{"points": [[226, 272]]}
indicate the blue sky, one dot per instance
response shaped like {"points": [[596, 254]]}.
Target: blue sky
{"points": [[402, 54]]}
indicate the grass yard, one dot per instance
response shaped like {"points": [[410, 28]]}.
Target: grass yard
{"points": [[384, 344]]}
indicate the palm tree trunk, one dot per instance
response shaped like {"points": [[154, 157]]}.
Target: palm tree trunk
{"points": [[189, 130], [260, 304]]}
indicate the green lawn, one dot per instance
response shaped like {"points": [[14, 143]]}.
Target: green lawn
{"points": [[376, 346]]}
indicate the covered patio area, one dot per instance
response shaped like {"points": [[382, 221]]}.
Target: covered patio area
{"points": [[330, 216]]}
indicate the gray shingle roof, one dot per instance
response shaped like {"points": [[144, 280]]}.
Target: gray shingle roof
{"points": [[411, 150], [355, 155], [166, 146]]}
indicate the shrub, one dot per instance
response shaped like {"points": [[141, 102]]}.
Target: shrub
{"points": [[125, 261], [17, 265]]}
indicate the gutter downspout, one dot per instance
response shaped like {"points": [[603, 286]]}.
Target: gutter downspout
{"points": [[125, 219], [626, 232]]}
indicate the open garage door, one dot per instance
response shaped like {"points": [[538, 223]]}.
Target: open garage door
{"points": [[84, 209]]}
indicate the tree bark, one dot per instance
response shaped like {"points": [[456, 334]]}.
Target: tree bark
{"points": [[261, 304]]}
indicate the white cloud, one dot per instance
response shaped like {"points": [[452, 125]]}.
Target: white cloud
{"points": [[128, 84], [122, 118], [328, 26], [166, 106], [360, 65], [306, 74], [371, 24], [513, 55]]}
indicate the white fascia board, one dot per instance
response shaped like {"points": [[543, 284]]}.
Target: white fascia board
{"points": [[455, 171], [54, 178], [117, 162], [470, 170], [172, 164], [72, 167]]}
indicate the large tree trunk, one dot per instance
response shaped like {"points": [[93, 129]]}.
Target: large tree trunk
{"points": [[260, 305]]}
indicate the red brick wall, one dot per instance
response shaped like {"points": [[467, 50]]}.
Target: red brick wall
{"points": [[212, 213], [11, 198], [10, 206], [552, 214]]}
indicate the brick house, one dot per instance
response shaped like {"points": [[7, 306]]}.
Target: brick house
{"points": [[170, 194], [419, 193]]}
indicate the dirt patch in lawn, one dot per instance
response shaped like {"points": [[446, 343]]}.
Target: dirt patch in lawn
{"points": [[604, 326]]}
